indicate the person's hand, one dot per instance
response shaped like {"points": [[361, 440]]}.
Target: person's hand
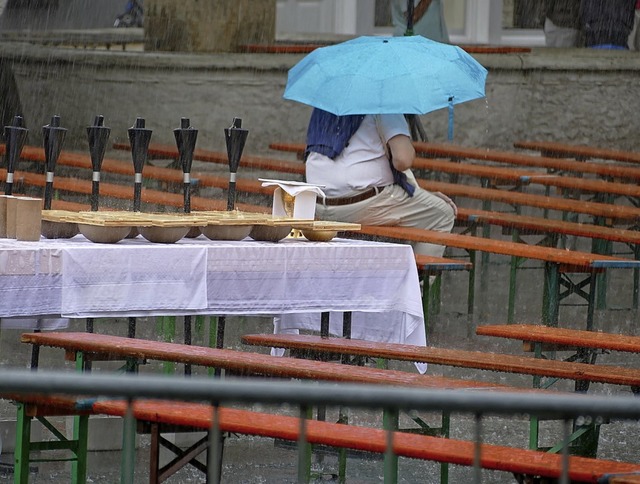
{"points": [[448, 200]]}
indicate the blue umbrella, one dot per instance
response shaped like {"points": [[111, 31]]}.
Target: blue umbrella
{"points": [[378, 75]]}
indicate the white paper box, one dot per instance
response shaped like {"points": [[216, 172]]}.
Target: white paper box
{"points": [[304, 198]]}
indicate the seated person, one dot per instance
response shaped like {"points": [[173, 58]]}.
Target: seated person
{"points": [[364, 164]]}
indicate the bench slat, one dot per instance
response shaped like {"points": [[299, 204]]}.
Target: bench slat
{"points": [[247, 363], [452, 451], [75, 185], [247, 161], [630, 173], [578, 151], [563, 336], [526, 177], [450, 357], [619, 212], [584, 260]]}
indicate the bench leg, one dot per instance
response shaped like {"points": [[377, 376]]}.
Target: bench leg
{"points": [[127, 469], [81, 437], [304, 448], [390, 424], [168, 325], [636, 278], [23, 441]]}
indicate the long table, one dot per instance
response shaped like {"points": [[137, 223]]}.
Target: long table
{"points": [[295, 280]]}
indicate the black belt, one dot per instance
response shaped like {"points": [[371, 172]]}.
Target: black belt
{"points": [[371, 192]]}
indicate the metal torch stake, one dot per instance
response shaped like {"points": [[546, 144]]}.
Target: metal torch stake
{"points": [[235, 137], [186, 137], [15, 136], [139, 138], [97, 135], [53, 138]]}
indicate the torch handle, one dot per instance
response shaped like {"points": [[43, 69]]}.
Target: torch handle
{"points": [[95, 194], [137, 196], [231, 198], [48, 195], [8, 188], [186, 188]]}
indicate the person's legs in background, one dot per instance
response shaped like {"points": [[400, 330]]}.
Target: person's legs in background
{"points": [[393, 206]]}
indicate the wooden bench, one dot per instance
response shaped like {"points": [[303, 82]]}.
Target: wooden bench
{"points": [[604, 211], [459, 452], [558, 264], [314, 347], [580, 152], [79, 346], [308, 345], [500, 174], [627, 173], [562, 337], [168, 175], [110, 190], [161, 151], [429, 266]]}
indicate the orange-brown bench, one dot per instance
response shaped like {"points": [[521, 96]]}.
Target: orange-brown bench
{"points": [[308, 346], [494, 175], [121, 192], [629, 174], [161, 151], [562, 337], [603, 211], [558, 263], [501, 458], [89, 345], [579, 152]]}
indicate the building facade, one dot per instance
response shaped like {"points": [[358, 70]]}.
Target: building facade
{"points": [[496, 22]]}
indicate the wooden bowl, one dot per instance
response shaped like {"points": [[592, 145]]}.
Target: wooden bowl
{"points": [[58, 230], [104, 234], [319, 235], [163, 235], [269, 233], [226, 232]]}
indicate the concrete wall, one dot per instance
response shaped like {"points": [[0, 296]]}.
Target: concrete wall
{"points": [[220, 26], [582, 96]]}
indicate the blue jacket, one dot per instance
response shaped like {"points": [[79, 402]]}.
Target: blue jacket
{"points": [[329, 134]]}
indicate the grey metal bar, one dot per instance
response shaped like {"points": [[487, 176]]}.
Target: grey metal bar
{"points": [[250, 390]]}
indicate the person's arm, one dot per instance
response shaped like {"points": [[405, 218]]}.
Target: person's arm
{"points": [[420, 10], [402, 152]]}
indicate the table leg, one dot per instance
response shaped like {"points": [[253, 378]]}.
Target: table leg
{"points": [[324, 324], [187, 340]]}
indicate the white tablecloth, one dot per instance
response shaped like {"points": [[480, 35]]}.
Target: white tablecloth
{"points": [[297, 279]]}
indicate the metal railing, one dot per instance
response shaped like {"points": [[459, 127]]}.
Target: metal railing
{"points": [[565, 407]]}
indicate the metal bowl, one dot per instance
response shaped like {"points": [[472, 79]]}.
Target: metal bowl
{"points": [[104, 234], [226, 232], [58, 230], [194, 232], [319, 235], [269, 233], [163, 235]]}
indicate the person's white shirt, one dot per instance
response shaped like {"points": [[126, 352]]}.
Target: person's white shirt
{"points": [[363, 163]]}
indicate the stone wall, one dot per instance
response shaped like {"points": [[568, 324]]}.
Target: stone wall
{"points": [[581, 96]]}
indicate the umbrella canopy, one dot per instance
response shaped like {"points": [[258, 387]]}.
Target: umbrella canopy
{"points": [[386, 75]]}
